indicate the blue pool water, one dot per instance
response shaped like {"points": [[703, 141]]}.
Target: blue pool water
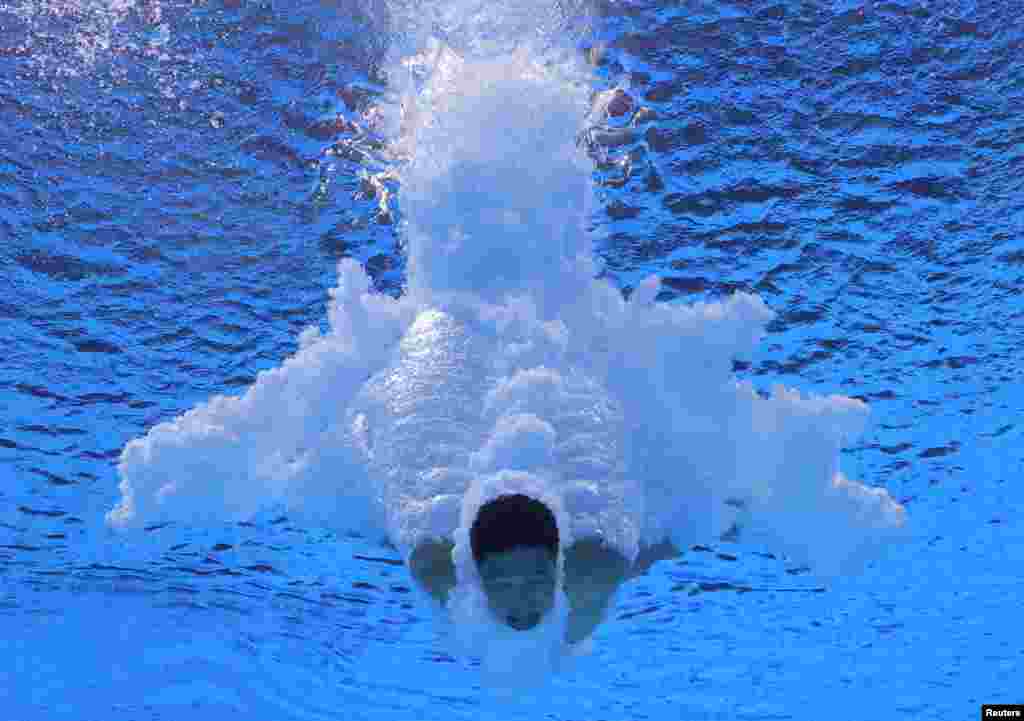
{"points": [[178, 182]]}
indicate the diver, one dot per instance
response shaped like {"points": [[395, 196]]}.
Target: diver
{"points": [[419, 423], [515, 545]]}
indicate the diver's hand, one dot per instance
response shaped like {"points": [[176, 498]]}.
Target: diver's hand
{"points": [[649, 555], [733, 533]]}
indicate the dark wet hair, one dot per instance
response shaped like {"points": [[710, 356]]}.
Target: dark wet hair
{"points": [[513, 520]]}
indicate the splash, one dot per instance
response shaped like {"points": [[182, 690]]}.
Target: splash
{"points": [[507, 367], [496, 191], [478, 29]]}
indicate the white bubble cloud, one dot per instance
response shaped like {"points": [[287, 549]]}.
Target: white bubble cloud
{"points": [[507, 365]]}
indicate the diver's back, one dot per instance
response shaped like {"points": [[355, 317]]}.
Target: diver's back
{"points": [[423, 411]]}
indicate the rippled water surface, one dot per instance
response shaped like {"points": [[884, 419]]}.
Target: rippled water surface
{"points": [[177, 183]]}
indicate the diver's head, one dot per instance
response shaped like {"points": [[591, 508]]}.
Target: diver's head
{"points": [[515, 546]]}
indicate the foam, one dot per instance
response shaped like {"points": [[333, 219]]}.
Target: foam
{"points": [[506, 367]]}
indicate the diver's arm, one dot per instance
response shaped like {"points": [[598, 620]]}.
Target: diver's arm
{"points": [[649, 555], [593, 572], [665, 549], [432, 567]]}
